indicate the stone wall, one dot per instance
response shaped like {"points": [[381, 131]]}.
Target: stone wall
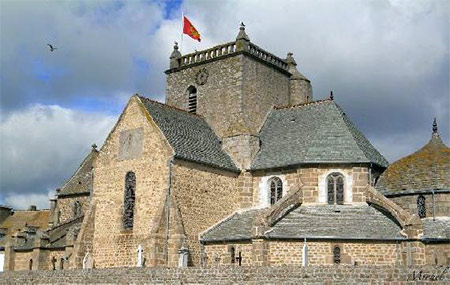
{"points": [[409, 203], [204, 196], [286, 253], [438, 253], [313, 182], [263, 87], [114, 246], [236, 274], [218, 100], [66, 207], [237, 95]]}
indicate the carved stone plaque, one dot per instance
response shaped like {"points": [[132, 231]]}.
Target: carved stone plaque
{"points": [[130, 144]]}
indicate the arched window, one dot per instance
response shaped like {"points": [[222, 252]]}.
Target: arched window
{"points": [[76, 208], [335, 182], [276, 190], [192, 99], [233, 254], [30, 264], [129, 197], [336, 255], [421, 208]]}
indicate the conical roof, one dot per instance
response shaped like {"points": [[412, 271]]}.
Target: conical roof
{"points": [[426, 169]]}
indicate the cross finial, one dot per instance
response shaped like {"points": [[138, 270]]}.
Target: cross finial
{"points": [[242, 26], [331, 95], [435, 126]]}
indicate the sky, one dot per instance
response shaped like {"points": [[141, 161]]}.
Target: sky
{"points": [[387, 62]]}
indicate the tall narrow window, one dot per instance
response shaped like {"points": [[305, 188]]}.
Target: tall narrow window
{"points": [[421, 208], [76, 208], [129, 197], [335, 185], [192, 99], [336, 255], [30, 264], [276, 190], [233, 254]]}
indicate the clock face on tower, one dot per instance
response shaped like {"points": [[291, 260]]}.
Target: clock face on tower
{"points": [[202, 76]]}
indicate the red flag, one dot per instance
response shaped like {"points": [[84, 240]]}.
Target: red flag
{"points": [[189, 29]]}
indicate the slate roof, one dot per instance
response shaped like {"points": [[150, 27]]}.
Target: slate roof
{"points": [[20, 219], [317, 132], [322, 221], [190, 136], [236, 227], [426, 169], [81, 180], [437, 229]]}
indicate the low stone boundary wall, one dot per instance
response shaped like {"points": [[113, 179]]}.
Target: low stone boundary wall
{"points": [[237, 275]]}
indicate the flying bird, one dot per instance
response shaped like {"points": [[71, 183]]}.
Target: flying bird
{"points": [[51, 47]]}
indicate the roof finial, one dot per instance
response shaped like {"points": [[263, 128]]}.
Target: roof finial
{"points": [[290, 59], [242, 34], [94, 147], [175, 56], [331, 95], [435, 126]]}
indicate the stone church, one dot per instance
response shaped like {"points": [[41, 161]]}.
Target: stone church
{"points": [[240, 166]]}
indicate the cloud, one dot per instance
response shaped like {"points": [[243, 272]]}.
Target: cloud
{"points": [[41, 147], [388, 63]]}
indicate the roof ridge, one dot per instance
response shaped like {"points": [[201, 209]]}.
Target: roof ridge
{"points": [[349, 124], [303, 104], [168, 106]]}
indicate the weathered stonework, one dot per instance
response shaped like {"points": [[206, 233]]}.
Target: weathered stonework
{"points": [[112, 245]]}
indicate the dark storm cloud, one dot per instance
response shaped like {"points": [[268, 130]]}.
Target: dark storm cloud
{"points": [[386, 61]]}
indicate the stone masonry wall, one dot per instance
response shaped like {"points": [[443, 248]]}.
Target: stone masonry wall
{"points": [[313, 182], [66, 207], [438, 254], [113, 246], [263, 87], [409, 203], [287, 253], [204, 197], [218, 100], [238, 275], [237, 96]]}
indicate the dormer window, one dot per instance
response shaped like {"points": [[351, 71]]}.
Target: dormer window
{"points": [[335, 187], [276, 189], [192, 99]]}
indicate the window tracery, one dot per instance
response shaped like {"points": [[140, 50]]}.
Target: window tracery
{"points": [[129, 198], [335, 187], [276, 190]]}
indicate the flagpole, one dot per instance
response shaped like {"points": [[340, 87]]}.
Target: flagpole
{"points": [[182, 28]]}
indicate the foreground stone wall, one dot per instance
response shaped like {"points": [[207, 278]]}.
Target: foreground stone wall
{"points": [[235, 274]]}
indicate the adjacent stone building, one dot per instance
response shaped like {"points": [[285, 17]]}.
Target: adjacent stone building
{"points": [[241, 166]]}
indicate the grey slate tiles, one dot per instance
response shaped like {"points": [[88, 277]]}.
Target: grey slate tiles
{"points": [[190, 136], [317, 132]]}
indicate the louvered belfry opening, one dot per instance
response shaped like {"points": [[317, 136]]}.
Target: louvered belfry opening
{"points": [[192, 99]]}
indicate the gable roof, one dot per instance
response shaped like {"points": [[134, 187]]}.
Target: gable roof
{"points": [[316, 221], [189, 135], [317, 132], [81, 180]]}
